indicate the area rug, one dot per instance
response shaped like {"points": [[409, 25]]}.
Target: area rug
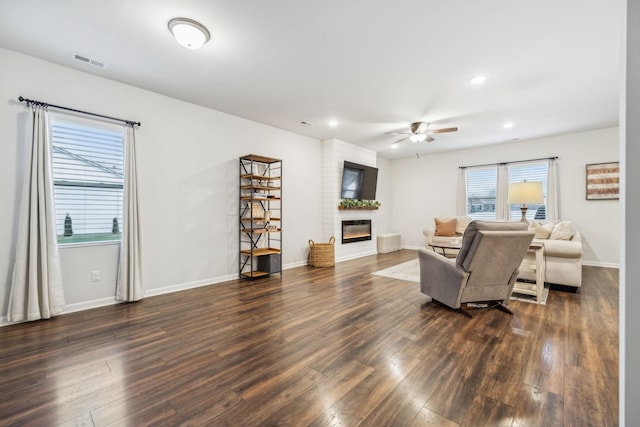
{"points": [[410, 271]]}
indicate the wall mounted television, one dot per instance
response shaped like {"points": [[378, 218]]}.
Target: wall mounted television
{"points": [[359, 181]]}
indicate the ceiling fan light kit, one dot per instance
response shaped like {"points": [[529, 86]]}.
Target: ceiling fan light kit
{"points": [[419, 132]]}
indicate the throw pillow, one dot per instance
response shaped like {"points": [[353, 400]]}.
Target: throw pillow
{"points": [[541, 231], [562, 231], [445, 228]]}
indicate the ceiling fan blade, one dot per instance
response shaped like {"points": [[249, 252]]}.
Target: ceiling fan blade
{"points": [[398, 141], [418, 127], [443, 130], [397, 133]]}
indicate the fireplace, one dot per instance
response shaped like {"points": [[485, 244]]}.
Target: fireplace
{"points": [[356, 230]]}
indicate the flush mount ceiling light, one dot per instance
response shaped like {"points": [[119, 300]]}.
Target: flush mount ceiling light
{"points": [[189, 33], [478, 80], [333, 123]]}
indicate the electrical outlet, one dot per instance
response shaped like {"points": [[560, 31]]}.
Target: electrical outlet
{"points": [[95, 276]]}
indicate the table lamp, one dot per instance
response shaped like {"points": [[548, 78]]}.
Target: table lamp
{"points": [[523, 193]]}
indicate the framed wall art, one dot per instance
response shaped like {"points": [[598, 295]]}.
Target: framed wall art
{"points": [[603, 181]]}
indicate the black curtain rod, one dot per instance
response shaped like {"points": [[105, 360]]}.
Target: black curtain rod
{"points": [[507, 163], [44, 104]]}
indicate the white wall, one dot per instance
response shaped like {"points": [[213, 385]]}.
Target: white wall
{"points": [[425, 188], [188, 175]]}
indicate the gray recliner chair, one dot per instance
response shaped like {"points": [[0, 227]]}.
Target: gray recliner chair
{"points": [[485, 269]]}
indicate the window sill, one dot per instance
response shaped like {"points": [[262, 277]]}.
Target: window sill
{"points": [[88, 244]]}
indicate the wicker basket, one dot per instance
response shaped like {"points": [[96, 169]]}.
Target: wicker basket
{"points": [[322, 254]]}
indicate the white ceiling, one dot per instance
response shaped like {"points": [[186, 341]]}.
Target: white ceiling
{"points": [[552, 66]]}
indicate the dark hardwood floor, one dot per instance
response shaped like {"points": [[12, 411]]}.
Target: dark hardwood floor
{"points": [[321, 347]]}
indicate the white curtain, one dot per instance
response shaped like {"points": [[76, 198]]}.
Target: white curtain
{"points": [[36, 288], [461, 195], [129, 283], [552, 191], [502, 194]]}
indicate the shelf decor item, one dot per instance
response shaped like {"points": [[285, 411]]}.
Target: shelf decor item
{"points": [[358, 204], [257, 211], [322, 254]]}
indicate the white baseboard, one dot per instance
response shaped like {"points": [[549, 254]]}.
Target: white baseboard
{"points": [[86, 305], [601, 264], [414, 248], [295, 264], [189, 285], [356, 256], [71, 308]]}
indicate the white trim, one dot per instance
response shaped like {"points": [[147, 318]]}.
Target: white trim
{"points": [[356, 256], [601, 264], [71, 245], [414, 248], [86, 305], [295, 264], [189, 285], [72, 308]]}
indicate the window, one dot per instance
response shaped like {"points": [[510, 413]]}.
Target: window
{"points": [[533, 172], [482, 188], [481, 193], [88, 178]]}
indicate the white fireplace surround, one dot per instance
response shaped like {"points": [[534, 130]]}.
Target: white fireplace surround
{"points": [[334, 153]]}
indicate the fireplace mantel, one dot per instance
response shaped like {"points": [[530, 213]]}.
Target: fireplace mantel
{"points": [[358, 208]]}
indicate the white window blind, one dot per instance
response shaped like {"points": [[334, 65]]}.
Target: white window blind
{"points": [[482, 189], [88, 177], [530, 172], [481, 193]]}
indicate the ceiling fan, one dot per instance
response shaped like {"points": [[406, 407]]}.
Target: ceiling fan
{"points": [[419, 132]]}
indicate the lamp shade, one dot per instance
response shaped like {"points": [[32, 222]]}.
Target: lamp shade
{"points": [[525, 192]]}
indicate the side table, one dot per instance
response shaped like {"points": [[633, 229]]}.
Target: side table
{"points": [[453, 245], [538, 268]]}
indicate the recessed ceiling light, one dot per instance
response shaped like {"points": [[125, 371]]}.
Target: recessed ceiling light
{"points": [[333, 123], [478, 80], [189, 33], [507, 125], [394, 146]]}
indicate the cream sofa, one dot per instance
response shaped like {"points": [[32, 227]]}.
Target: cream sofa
{"points": [[562, 249]]}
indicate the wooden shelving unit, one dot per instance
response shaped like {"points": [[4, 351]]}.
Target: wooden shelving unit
{"points": [[260, 221]]}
